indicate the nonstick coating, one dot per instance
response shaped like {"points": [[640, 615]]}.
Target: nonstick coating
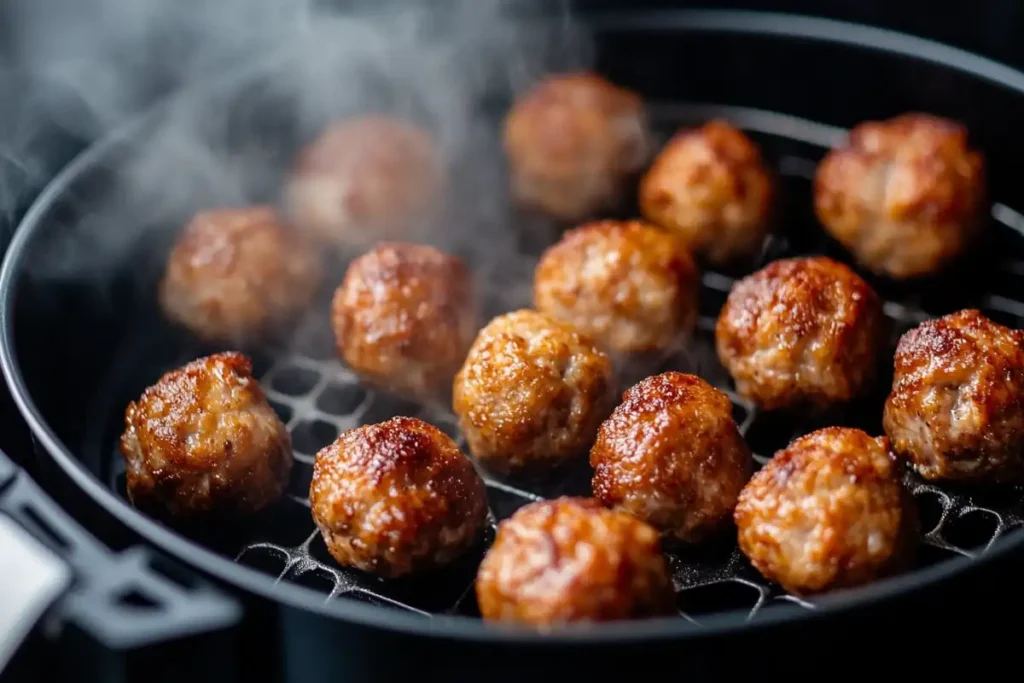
{"points": [[814, 70]]}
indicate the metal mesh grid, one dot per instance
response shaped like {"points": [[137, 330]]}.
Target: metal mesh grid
{"points": [[318, 398]]}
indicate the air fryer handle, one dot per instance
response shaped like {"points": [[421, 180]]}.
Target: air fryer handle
{"points": [[123, 600]]}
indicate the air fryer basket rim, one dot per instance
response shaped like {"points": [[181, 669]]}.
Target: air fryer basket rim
{"points": [[250, 579]]}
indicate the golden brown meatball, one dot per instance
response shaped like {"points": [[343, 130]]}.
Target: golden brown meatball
{"points": [[404, 317], [204, 440], [366, 179], [570, 560], [827, 512], [801, 333], [956, 410], [629, 285], [672, 455], [236, 275], [396, 498], [531, 392], [572, 142], [710, 186], [906, 196]]}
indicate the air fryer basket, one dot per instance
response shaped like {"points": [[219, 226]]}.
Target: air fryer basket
{"points": [[691, 66]]}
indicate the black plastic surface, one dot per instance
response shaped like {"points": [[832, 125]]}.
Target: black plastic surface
{"points": [[125, 600]]}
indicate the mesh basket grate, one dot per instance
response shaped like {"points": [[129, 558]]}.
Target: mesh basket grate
{"points": [[318, 398]]}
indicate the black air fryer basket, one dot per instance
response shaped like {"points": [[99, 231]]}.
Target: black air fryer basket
{"points": [[76, 349]]}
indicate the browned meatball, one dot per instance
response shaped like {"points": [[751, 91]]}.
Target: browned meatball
{"points": [[572, 142], [710, 186], [827, 512], [238, 274], [570, 560], [801, 333], [396, 498], [404, 317], [672, 455], [906, 196], [956, 410], [203, 440], [366, 179], [531, 392], [629, 285]]}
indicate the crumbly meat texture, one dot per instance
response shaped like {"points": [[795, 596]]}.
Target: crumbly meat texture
{"points": [[404, 317], [572, 142], [828, 512], [629, 285], [672, 455], [906, 196], [367, 179], [236, 275], [531, 393], [711, 186], [396, 498], [203, 441], [956, 410], [801, 333], [570, 560]]}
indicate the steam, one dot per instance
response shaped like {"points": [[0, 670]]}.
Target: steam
{"points": [[271, 74]]}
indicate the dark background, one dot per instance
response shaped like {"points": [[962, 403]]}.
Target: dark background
{"points": [[971, 613]]}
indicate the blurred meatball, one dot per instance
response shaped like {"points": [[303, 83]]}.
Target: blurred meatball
{"points": [[572, 142], [672, 455], [906, 196], [367, 179], [956, 410], [396, 498], [627, 284], [237, 275], [827, 512], [711, 187], [204, 440], [801, 333], [570, 560], [404, 317], [531, 392]]}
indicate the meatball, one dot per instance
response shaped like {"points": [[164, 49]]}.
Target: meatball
{"points": [[237, 275], [573, 142], [906, 196], [827, 512], [629, 285], [396, 498], [365, 180], [710, 186], [801, 333], [956, 410], [531, 392], [203, 441], [570, 560], [672, 455], [404, 317]]}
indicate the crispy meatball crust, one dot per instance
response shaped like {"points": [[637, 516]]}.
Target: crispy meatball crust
{"points": [[906, 196], [801, 333], [627, 284], [572, 142], [238, 274], [827, 512], [396, 498], [570, 560], [531, 393], [203, 440], [956, 409], [672, 455], [366, 179], [710, 185], [404, 317]]}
